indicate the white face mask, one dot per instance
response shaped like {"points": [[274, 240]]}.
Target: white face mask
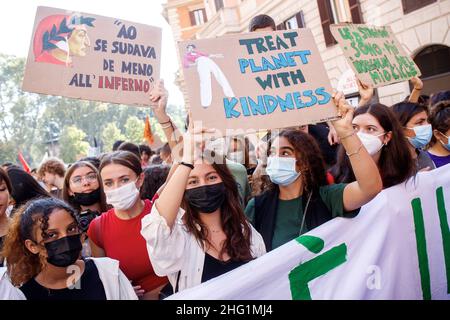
{"points": [[123, 198], [372, 143]]}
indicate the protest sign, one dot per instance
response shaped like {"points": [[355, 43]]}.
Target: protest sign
{"points": [[86, 56], [374, 54], [257, 81], [397, 247]]}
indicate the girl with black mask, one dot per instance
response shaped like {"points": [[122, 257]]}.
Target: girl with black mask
{"points": [[197, 229], [83, 188], [43, 248]]}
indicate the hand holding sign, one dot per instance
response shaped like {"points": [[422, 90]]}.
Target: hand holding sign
{"points": [[158, 101], [343, 126]]}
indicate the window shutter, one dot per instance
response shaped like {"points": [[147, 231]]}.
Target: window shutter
{"points": [[192, 16], [281, 26], [326, 17], [204, 15], [355, 11], [300, 19]]}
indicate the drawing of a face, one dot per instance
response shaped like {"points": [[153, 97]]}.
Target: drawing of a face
{"points": [[79, 42]]}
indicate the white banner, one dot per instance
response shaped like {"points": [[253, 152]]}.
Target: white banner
{"points": [[398, 247]]}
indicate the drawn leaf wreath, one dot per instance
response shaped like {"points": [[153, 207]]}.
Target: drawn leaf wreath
{"points": [[56, 34]]}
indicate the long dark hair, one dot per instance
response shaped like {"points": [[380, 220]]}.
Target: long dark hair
{"points": [[440, 118], [4, 178], [154, 177], [309, 159], [22, 264], [404, 111], [70, 199], [24, 187], [395, 164], [234, 222]]}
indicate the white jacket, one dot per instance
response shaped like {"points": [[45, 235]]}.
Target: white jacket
{"points": [[115, 283], [178, 250], [7, 290]]}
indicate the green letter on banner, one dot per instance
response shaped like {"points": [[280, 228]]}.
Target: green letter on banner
{"points": [[445, 232], [421, 248]]}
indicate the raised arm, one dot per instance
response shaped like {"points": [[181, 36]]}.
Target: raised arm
{"points": [[171, 196], [365, 92], [368, 180], [418, 86], [158, 103]]}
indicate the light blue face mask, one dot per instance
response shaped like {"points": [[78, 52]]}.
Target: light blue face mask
{"points": [[282, 170], [423, 136], [446, 145]]}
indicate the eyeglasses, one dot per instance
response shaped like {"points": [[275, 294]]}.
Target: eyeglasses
{"points": [[78, 180]]}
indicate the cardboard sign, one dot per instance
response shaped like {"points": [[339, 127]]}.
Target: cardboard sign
{"points": [[374, 54], [257, 81], [81, 55]]}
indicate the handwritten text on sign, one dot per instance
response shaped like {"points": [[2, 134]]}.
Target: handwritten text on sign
{"points": [[374, 53]]}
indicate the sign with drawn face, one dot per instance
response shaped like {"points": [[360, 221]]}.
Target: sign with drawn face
{"points": [[257, 81], [374, 54], [86, 56]]}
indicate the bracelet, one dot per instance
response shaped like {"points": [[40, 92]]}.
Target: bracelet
{"points": [[347, 136], [356, 152], [187, 165], [164, 122], [167, 126]]}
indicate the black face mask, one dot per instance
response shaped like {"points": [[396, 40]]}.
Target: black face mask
{"points": [[206, 199], [65, 251], [87, 199]]}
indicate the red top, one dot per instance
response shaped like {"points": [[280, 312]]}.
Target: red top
{"points": [[122, 240]]}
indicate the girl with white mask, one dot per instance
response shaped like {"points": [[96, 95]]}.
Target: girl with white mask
{"points": [[299, 198], [116, 233], [383, 138], [413, 117]]}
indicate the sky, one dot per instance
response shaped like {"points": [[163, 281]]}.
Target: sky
{"points": [[17, 20]]}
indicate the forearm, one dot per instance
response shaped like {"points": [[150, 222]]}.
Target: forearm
{"points": [[364, 168], [415, 94], [171, 131], [171, 197]]}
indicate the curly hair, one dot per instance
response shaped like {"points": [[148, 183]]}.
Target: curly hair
{"points": [[53, 166], [154, 177], [234, 222], [22, 264], [309, 159]]}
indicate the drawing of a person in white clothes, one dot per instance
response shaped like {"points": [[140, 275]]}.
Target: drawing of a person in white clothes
{"points": [[206, 66]]}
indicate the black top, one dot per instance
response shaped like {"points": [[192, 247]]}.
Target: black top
{"points": [[213, 268], [91, 288]]}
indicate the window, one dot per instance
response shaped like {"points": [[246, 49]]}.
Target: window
{"points": [[434, 64], [198, 17], [337, 11], [412, 5], [219, 4], [293, 22]]}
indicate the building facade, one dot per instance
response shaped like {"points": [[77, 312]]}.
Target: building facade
{"points": [[422, 26]]}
